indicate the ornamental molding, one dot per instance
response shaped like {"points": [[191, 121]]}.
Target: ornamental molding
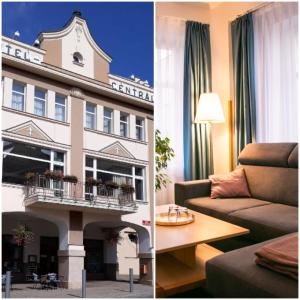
{"points": [[31, 130], [76, 92], [117, 149]]}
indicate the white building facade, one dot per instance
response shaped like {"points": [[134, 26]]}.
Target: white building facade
{"points": [[77, 160]]}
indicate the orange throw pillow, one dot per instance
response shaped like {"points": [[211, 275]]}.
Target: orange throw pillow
{"points": [[232, 185]]}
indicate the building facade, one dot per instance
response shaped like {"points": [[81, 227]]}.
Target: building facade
{"points": [[77, 160]]}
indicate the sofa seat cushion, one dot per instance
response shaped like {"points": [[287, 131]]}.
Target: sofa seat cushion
{"points": [[235, 275], [220, 208], [268, 221]]}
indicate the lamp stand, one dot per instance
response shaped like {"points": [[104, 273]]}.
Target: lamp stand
{"points": [[211, 152]]}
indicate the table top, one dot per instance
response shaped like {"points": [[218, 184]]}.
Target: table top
{"points": [[204, 229]]}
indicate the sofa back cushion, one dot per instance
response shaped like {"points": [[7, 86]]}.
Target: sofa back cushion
{"points": [[272, 171], [274, 184]]}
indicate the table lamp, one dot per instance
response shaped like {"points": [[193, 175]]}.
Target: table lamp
{"points": [[209, 110]]}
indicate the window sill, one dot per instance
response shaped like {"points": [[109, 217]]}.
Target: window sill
{"points": [[115, 136], [25, 113], [78, 64]]}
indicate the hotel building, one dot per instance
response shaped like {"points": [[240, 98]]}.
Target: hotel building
{"points": [[64, 113]]}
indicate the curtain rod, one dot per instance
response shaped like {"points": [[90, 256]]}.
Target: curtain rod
{"points": [[259, 6]]}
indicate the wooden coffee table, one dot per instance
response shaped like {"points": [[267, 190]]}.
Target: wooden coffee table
{"points": [[182, 252]]}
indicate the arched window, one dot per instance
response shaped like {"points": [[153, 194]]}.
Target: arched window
{"points": [[77, 58]]}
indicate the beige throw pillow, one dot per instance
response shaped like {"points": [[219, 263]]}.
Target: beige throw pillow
{"points": [[232, 185]]}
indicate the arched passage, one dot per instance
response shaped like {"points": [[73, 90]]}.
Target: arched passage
{"points": [[36, 256], [111, 248]]}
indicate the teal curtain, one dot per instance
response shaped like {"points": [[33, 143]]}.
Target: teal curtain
{"points": [[244, 93], [197, 80]]}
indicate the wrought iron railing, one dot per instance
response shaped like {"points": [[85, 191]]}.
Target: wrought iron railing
{"points": [[80, 193]]}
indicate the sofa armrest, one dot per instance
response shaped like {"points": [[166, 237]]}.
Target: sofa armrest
{"points": [[191, 189]]}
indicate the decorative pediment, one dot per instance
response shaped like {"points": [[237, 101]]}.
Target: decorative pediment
{"points": [[117, 149], [30, 129]]}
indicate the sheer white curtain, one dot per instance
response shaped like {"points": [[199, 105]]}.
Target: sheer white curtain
{"points": [[276, 72], [169, 60]]}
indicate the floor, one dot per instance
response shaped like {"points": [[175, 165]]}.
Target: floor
{"points": [[95, 289]]}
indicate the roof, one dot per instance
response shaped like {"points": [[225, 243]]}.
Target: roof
{"points": [[76, 15]]}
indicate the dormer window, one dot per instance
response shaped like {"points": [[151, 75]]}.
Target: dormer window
{"points": [[77, 59]]}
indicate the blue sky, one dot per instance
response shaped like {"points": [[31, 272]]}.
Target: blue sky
{"points": [[122, 29]]}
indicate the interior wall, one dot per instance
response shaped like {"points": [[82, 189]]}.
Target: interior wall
{"points": [[218, 15]]}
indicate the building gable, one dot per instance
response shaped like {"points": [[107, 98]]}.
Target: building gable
{"points": [[30, 129], [74, 49], [117, 149]]}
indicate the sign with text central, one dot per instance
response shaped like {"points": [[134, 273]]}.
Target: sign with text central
{"points": [[133, 89]]}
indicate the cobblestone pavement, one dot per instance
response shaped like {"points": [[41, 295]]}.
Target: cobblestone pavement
{"points": [[95, 289]]}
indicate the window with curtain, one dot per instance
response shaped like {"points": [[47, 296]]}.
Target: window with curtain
{"points": [[169, 62], [60, 108], [124, 120], [276, 72], [90, 116], [18, 96], [107, 120], [40, 102]]}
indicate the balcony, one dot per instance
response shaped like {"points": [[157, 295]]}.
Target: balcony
{"points": [[41, 192]]}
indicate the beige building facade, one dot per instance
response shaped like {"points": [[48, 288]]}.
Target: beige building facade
{"points": [[77, 160]]}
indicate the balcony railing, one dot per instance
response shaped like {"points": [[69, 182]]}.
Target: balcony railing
{"points": [[81, 194]]}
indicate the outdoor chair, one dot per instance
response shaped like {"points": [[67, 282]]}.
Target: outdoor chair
{"points": [[44, 282], [35, 280], [54, 281], [3, 281]]}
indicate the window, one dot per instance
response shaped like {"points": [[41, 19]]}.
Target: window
{"points": [[20, 158], [39, 102], [139, 183], [77, 58], [276, 72], [124, 124], [107, 120], [18, 96], [121, 173], [139, 128], [90, 116], [60, 108]]}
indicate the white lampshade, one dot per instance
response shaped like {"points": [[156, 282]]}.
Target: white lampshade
{"points": [[209, 109]]}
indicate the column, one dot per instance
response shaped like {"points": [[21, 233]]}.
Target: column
{"points": [[146, 129], [51, 104], [99, 117], [116, 117], [132, 133], [146, 272], [7, 93], [77, 124], [110, 261], [71, 257], [29, 99]]}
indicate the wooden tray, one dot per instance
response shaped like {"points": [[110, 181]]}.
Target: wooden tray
{"points": [[163, 219]]}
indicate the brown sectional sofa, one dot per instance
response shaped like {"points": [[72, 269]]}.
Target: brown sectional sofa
{"points": [[272, 175]]}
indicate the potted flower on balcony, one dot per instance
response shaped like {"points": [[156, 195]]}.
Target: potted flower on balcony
{"points": [[90, 181], [127, 188], [23, 235], [111, 185], [54, 175], [70, 178], [30, 176]]}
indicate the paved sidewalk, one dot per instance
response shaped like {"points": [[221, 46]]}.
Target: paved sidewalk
{"points": [[95, 289]]}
